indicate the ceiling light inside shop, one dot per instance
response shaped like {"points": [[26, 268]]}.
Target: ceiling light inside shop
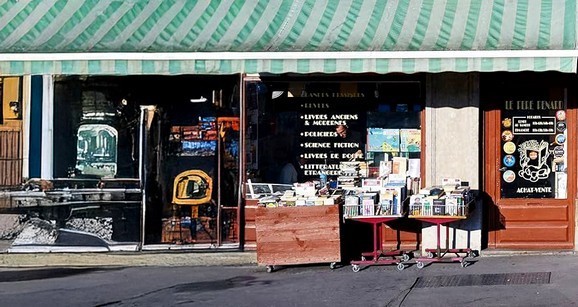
{"points": [[277, 94], [199, 100]]}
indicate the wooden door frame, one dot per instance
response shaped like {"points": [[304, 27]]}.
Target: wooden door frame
{"points": [[490, 170], [492, 163]]}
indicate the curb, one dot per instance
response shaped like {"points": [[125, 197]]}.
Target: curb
{"points": [[128, 259], [510, 253], [180, 258]]}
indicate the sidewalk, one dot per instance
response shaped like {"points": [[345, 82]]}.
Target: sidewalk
{"points": [[528, 280], [181, 258], [196, 258]]}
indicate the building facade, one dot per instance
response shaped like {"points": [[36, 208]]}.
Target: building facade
{"points": [[117, 100]]}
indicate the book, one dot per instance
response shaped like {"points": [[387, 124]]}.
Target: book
{"points": [[399, 165]]}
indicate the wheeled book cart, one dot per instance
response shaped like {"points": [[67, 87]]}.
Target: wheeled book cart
{"points": [[439, 253], [377, 256], [298, 235]]}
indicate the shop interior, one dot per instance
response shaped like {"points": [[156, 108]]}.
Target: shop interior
{"points": [[299, 120], [190, 145]]}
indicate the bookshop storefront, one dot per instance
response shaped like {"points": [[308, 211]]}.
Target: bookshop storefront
{"points": [[510, 135], [426, 88], [530, 159]]}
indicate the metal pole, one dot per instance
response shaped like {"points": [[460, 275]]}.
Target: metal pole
{"points": [[141, 172], [219, 139], [242, 166]]}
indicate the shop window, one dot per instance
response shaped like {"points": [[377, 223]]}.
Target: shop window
{"points": [[97, 150], [11, 98], [318, 125]]}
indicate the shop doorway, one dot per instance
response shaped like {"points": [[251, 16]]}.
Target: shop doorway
{"points": [[192, 166], [530, 160]]}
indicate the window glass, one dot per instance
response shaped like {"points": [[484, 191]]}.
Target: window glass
{"points": [[320, 126]]}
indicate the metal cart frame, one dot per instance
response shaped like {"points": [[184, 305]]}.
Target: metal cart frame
{"points": [[378, 256], [438, 254]]}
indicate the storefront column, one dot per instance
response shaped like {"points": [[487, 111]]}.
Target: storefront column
{"points": [[26, 93], [452, 148], [46, 164], [34, 126]]}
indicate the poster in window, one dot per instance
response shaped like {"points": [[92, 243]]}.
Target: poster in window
{"points": [[383, 140]]}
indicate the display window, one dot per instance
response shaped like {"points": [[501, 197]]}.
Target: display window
{"points": [[318, 125], [326, 149], [141, 160], [11, 133]]}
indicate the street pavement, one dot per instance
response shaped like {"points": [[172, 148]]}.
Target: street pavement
{"points": [[234, 278]]}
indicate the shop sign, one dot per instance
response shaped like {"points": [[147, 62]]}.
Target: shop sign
{"points": [[321, 145], [534, 124]]}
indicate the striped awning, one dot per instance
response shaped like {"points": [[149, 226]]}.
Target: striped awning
{"points": [[122, 37]]}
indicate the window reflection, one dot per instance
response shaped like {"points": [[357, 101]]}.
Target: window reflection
{"points": [[97, 150]]}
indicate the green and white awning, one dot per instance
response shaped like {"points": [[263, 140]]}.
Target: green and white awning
{"points": [[121, 37]]}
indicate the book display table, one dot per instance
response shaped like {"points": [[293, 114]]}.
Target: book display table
{"points": [[378, 256], [439, 253]]}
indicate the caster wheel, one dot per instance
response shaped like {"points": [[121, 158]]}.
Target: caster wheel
{"points": [[431, 254], [355, 268], [420, 265], [270, 269], [332, 265], [405, 257], [400, 266]]}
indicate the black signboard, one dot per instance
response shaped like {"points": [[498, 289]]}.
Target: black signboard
{"points": [[322, 140], [533, 125], [533, 135]]}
